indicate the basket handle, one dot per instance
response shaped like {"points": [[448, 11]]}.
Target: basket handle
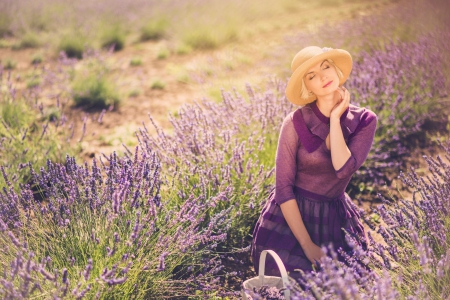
{"points": [[281, 267]]}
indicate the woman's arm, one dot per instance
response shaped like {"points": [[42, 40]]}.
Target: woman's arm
{"points": [[339, 150], [291, 213], [285, 172], [347, 159], [294, 219]]}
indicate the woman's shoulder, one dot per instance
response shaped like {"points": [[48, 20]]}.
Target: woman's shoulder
{"points": [[293, 122], [289, 118], [360, 114], [358, 118]]}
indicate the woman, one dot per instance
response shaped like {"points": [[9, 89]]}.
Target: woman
{"points": [[321, 145]]}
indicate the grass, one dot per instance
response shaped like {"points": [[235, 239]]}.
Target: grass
{"points": [[135, 62], [73, 45], [205, 37], [163, 53], [154, 29], [92, 91], [157, 85], [183, 49], [28, 40], [51, 114], [24, 139], [114, 36], [134, 93], [10, 64], [92, 86], [34, 82], [37, 59], [5, 21], [4, 43]]}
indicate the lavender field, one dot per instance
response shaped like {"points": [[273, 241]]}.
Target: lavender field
{"points": [[168, 214]]}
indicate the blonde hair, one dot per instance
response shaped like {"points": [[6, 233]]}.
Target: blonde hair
{"points": [[304, 92]]}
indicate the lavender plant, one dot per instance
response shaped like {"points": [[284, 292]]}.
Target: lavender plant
{"points": [[105, 232], [29, 131], [224, 152], [405, 85], [412, 259]]}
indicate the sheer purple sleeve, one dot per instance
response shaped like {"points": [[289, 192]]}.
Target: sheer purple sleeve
{"points": [[359, 145], [286, 161]]}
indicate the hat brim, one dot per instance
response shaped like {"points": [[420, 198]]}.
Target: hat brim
{"points": [[341, 58]]}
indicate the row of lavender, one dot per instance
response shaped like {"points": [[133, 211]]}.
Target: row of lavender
{"points": [[174, 217]]}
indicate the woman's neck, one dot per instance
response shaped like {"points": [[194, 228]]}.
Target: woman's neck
{"points": [[326, 103]]}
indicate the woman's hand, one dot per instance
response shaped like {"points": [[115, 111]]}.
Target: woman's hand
{"points": [[342, 105], [313, 252]]}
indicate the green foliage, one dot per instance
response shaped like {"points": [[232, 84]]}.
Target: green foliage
{"points": [[10, 64], [114, 36], [155, 29], [183, 77], [34, 82], [73, 45], [183, 49], [162, 54], [157, 85], [15, 116], [210, 37], [87, 237], [201, 39], [134, 93], [4, 44], [91, 86], [5, 21], [51, 114], [135, 61], [408, 272], [94, 92], [25, 137], [28, 40], [37, 59]]}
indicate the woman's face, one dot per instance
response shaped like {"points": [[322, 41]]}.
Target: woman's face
{"points": [[321, 79]]}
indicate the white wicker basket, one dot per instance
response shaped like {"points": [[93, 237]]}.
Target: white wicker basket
{"points": [[271, 281]]}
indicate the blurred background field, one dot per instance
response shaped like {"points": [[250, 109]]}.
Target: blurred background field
{"points": [[198, 86], [168, 52]]}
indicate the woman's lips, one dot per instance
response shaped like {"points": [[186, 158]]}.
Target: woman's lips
{"points": [[328, 84]]}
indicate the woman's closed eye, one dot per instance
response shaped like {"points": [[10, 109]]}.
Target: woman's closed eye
{"points": [[325, 67]]}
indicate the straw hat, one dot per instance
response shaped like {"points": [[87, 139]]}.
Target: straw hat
{"points": [[307, 58]]}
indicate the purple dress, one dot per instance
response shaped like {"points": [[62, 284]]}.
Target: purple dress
{"points": [[304, 172]]}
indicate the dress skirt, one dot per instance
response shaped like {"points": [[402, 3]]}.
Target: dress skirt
{"points": [[324, 219]]}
